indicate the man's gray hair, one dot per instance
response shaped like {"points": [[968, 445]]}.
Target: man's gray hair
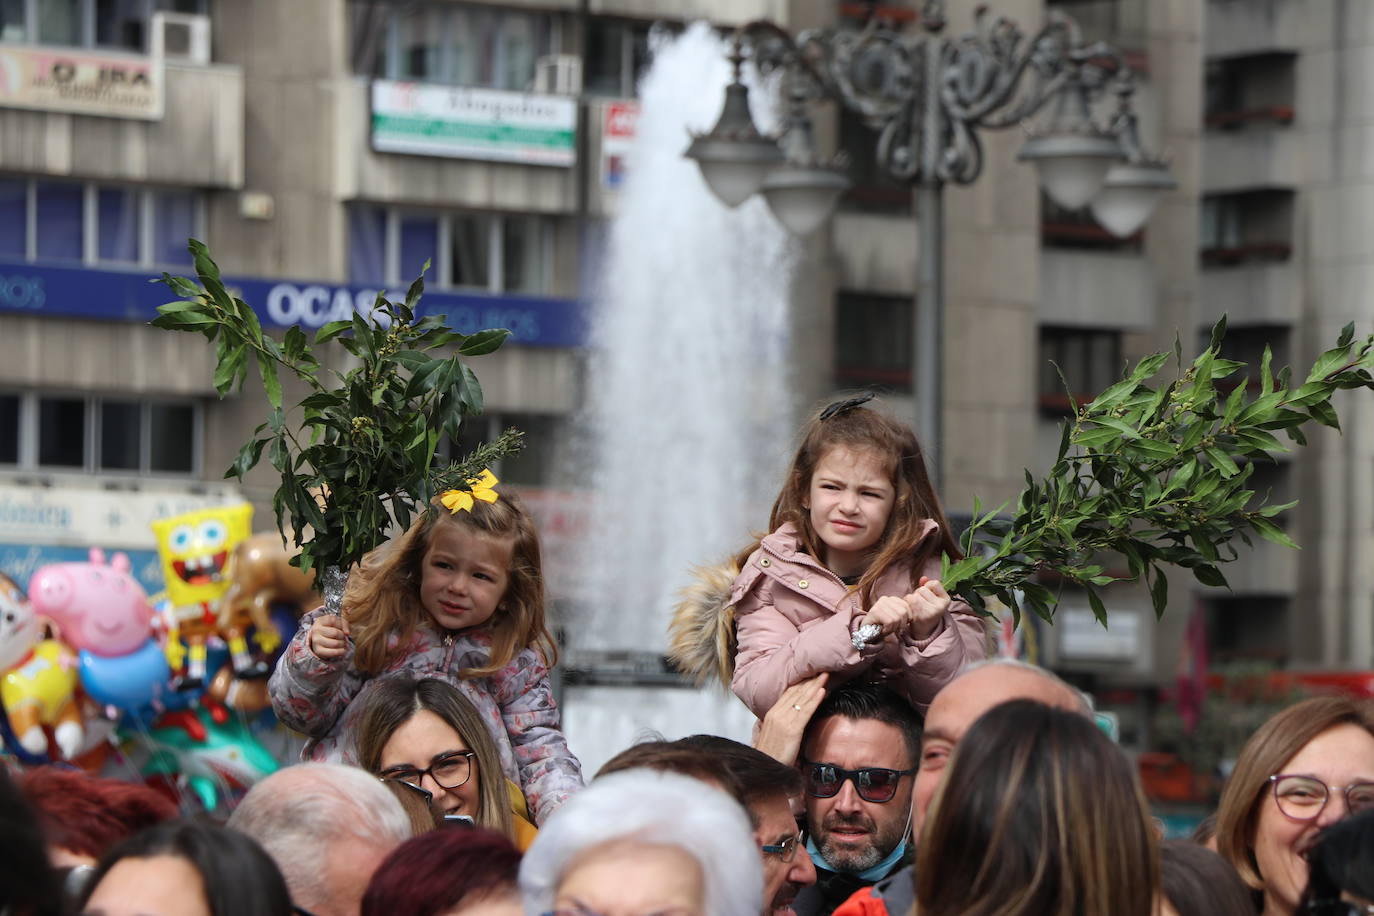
{"points": [[298, 811], [999, 661], [650, 807]]}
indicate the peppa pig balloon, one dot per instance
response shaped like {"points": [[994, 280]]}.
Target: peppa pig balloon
{"points": [[37, 678], [99, 607]]}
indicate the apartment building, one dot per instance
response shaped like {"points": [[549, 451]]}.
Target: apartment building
{"points": [[281, 133]]}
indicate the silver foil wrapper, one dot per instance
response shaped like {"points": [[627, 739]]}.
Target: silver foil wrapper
{"points": [[865, 634], [333, 580]]}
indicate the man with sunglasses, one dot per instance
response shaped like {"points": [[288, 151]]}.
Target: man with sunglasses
{"points": [[858, 759]]}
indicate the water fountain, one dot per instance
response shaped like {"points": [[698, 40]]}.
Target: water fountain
{"points": [[689, 410]]}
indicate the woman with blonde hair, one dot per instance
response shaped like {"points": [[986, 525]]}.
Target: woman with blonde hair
{"points": [[428, 736], [1306, 768], [1039, 814]]}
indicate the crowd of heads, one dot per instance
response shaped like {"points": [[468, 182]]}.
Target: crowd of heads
{"points": [[1009, 801]]}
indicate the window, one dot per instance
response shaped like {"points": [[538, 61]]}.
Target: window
{"points": [[118, 24], [93, 223], [873, 340], [459, 45], [1258, 88], [617, 54], [9, 428], [1246, 226], [532, 466], [122, 435], [1090, 361], [1248, 628], [873, 189], [1063, 228], [486, 251], [1246, 344]]}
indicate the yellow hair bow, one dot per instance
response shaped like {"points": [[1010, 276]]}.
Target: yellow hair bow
{"points": [[483, 488]]}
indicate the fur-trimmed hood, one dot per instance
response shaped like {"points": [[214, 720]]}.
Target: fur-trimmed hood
{"points": [[701, 636]]}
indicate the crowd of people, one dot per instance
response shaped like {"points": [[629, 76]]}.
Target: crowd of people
{"points": [[894, 769]]}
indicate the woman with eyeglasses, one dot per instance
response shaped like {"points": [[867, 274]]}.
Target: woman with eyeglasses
{"points": [[429, 738], [1306, 768]]}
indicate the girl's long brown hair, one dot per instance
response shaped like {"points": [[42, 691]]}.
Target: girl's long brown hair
{"points": [[861, 428], [382, 601], [394, 701], [1039, 814]]}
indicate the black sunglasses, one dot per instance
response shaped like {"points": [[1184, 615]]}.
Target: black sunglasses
{"points": [[874, 784]]}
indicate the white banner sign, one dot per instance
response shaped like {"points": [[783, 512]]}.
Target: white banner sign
{"points": [[77, 81], [427, 120], [118, 519]]}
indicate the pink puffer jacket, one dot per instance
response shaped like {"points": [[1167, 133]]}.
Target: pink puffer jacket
{"points": [[795, 619]]}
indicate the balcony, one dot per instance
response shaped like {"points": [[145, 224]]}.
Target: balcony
{"points": [[719, 12], [1236, 27], [203, 111], [361, 172], [1257, 157], [1082, 288], [1251, 293]]}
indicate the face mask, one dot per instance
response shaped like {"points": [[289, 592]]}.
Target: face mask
{"points": [[873, 873]]}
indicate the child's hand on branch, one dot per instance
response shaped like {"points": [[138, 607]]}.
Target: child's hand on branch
{"points": [[329, 637], [890, 614], [928, 605]]}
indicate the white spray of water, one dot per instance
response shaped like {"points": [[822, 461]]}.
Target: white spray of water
{"points": [[690, 410]]}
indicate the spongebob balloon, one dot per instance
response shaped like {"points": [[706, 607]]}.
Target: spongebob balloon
{"points": [[195, 549]]}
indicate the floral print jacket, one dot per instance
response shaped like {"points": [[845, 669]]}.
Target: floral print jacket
{"points": [[324, 700]]}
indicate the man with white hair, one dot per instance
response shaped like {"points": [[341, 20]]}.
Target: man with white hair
{"points": [[974, 691], [328, 827]]}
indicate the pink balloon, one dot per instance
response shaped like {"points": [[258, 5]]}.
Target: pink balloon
{"points": [[99, 607]]}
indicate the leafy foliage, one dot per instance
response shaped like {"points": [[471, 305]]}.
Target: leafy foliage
{"points": [[1159, 476], [360, 455]]}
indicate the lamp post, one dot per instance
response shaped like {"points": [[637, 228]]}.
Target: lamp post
{"points": [[929, 96]]}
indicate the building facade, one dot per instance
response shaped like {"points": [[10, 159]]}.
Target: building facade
{"points": [[285, 135]]}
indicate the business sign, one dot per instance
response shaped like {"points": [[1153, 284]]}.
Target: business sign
{"points": [[463, 123], [76, 81], [618, 124], [112, 295], [1082, 637], [60, 524]]}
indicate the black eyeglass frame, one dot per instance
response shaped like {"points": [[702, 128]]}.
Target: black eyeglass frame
{"points": [[854, 776], [1344, 790], [429, 771]]}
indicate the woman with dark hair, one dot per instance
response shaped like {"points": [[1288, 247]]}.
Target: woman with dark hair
{"points": [[1341, 866], [428, 735], [449, 871], [187, 868], [1306, 768], [1039, 814], [1198, 882]]}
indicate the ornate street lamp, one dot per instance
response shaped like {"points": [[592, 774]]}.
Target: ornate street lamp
{"points": [[928, 96]]}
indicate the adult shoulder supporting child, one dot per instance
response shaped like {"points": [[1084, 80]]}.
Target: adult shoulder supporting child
{"points": [[847, 580], [460, 598]]}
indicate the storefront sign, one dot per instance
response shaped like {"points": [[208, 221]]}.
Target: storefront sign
{"points": [[128, 296], [60, 524], [76, 81], [617, 136], [428, 120], [1082, 637]]}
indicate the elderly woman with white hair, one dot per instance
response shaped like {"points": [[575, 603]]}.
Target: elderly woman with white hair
{"points": [[644, 842]]}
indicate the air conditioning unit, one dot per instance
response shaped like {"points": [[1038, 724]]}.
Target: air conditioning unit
{"points": [[558, 74], [181, 37]]}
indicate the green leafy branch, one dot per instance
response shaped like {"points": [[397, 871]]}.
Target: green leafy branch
{"points": [[1159, 476], [359, 458]]}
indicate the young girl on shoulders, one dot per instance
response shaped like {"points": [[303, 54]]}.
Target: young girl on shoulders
{"points": [[847, 580], [459, 598]]}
